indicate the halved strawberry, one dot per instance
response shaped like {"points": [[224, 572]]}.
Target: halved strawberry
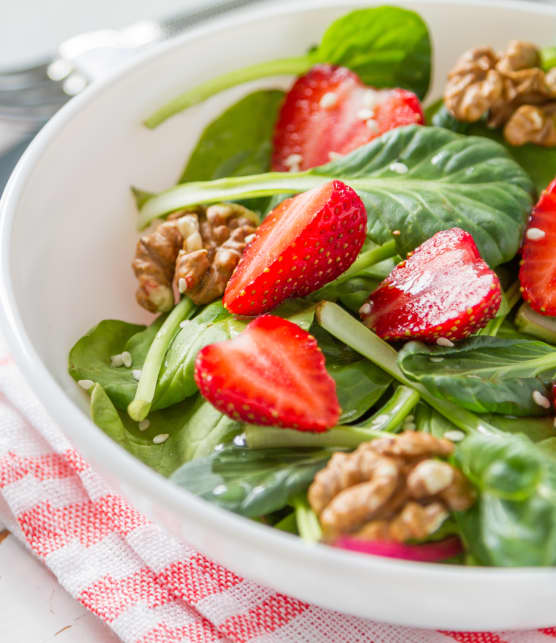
{"points": [[273, 373], [330, 111], [537, 274], [442, 292], [302, 244]]}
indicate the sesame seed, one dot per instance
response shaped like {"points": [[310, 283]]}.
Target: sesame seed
{"points": [[116, 361], [144, 425], [535, 234], [182, 285], [365, 309], [540, 399], [127, 359], [370, 99], [86, 385], [293, 160], [454, 436], [219, 490], [160, 438], [372, 124], [396, 233], [334, 155], [328, 100], [444, 341], [183, 324], [399, 168], [365, 113], [136, 372], [249, 238], [436, 359]]}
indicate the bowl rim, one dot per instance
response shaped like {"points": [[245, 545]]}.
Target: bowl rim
{"points": [[89, 439]]}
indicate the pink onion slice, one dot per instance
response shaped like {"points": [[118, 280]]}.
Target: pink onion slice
{"points": [[427, 553]]}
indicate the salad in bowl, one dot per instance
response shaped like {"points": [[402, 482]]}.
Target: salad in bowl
{"points": [[354, 337]]}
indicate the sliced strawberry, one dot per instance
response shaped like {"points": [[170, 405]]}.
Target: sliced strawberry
{"points": [[537, 274], [330, 111], [302, 244], [442, 291], [273, 373]]}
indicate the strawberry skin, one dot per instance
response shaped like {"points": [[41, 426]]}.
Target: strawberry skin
{"points": [[273, 373], [329, 110], [537, 273], [443, 289], [302, 244]]}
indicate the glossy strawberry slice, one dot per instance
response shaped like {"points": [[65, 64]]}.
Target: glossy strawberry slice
{"points": [[442, 292], [329, 111], [273, 373], [302, 244], [537, 274]]}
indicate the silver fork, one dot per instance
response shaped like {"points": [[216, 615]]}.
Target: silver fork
{"points": [[30, 96]]}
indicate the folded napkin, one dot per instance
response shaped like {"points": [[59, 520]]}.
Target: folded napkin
{"points": [[132, 574]]}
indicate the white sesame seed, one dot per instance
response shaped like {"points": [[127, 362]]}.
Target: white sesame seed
{"points": [[328, 100], [372, 124], [182, 285], [293, 160], [184, 323], [444, 341], [399, 168], [535, 234], [136, 372], [116, 361], [86, 384], [370, 99], [219, 490], [144, 425], [334, 155], [160, 438], [249, 238], [127, 360], [436, 359], [365, 309], [541, 400], [365, 113], [454, 436]]}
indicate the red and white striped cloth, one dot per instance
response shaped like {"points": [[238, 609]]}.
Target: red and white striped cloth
{"points": [[145, 585]]}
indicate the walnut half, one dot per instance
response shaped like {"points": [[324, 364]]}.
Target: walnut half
{"points": [[194, 251], [393, 488]]}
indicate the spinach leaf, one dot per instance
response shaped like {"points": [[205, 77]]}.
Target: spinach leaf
{"points": [[484, 374], [452, 180], [539, 162], [90, 356], [251, 482], [513, 522], [239, 141], [386, 46], [195, 428]]}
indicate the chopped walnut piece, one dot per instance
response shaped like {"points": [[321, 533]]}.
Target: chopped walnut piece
{"points": [[195, 250], [392, 488], [511, 88]]}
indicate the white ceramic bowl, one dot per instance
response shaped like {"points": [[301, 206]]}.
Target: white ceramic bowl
{"points": [[67, 236]]}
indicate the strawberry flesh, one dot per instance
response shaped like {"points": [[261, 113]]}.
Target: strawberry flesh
{"points": [[443, 289], [302, 244], [537, 274], [273, 373], [330, 111]]}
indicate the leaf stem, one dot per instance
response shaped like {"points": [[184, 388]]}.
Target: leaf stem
{"points": [[199, 93], [307, 522], [393, 413], [139, 407], [344, 327]]}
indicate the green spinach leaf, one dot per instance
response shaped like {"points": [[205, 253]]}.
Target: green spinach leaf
{"points": [[513, 522], [386, 46], [239, 141], [539, 162], [195, 428], [451, 180], [251, 482], [484, 374]]}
